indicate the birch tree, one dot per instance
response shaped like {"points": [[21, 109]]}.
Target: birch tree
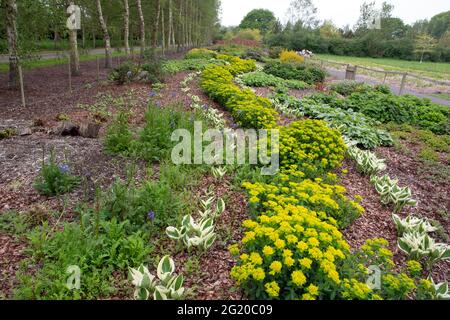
{"points": [[141, 26], [106, 37], [12, 36], [126, 27]]}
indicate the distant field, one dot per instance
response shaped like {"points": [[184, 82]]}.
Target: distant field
{"points": [[436, 70]]}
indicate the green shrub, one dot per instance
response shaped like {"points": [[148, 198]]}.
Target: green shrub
{"points": [[201, 54], [254, 54], [401, 109], [155, 71], [7, 133], [308, 73], [311, 146], [119, 137], [154, 143], [99, 248], [126, 72], [175, 66], [150, 207], [55, 179], [261, 79], [428, 154], [274, 52]]}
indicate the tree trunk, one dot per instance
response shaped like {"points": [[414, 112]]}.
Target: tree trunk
{"points": [[126, 27], [170, 25], [11, 33], [106, 38], [163, 32], [74, 56], [141, 26], [155, 33]]}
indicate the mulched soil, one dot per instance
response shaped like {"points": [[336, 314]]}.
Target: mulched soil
{"points": [[21, 159]]}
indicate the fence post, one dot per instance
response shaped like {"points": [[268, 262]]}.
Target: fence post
{"points": [[70, 76], [98, 70], [22, 91], [385, 77], [402, 86]]}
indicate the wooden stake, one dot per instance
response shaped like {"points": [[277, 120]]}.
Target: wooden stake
{"points": [[402, 86], [98, 70], [22, 91], [70, 76], [385, 76]]}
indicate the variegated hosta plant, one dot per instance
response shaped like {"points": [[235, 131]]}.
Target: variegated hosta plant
{"points": [[211, 211], [192, 234], [421, 246], [390, 192], [441, 290], [166, 286], [367, 162], [412, 224]]}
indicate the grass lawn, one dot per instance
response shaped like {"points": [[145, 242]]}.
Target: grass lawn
{"points": [[445, 96], [33, 64], [438, 70]]}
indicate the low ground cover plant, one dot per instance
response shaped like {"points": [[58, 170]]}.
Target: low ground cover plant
{"points": [[262, 79], [309, 73]]}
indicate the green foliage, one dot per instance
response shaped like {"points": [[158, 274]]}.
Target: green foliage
{"points": [[201, 53], [261, 19], [155, 71], [97, 247], [347, 87], [119, 138], [125, 73], [175, 66], [152, 205], [261, 79], [7, 133], [401, 109], [247, 109], [392, 193], [55, 179], [154, 143], [308, 73]]}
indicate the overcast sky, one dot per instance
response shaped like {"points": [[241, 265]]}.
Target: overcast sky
{"points": [[341, 12]]}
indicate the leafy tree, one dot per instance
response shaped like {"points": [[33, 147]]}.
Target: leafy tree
{"points": [[304, 11], [425, 44], [261, 19], [439, 24]]}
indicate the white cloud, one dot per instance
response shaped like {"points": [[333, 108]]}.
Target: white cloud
{"points": [[341, 12]]}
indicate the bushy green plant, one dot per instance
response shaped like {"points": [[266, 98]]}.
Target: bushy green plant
{"points": [[119, 138], [155, 71], [201, 53], [126, 72], [55, 179], [175, 66], [7, 133], [308, 73], [97, 247], [391, 193], [262, 79]]}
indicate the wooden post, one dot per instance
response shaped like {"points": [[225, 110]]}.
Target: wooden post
{"points": [[22, 91], [385, 77], [402, 86], [70, 76], [98, 70]]}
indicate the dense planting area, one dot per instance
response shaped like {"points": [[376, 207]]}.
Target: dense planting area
{"points": [[344, 205]]}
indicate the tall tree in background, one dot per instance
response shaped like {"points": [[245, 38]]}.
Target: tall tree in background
{"points": [[73, 42], [261, 19], [12, 36], [126, 27], [141, 26], [106, 37], [303, 11], [425, 44]]}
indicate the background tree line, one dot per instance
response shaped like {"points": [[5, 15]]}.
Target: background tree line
{"points": [[422, 40]]}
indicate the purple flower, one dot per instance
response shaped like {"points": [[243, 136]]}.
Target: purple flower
{"points": [[151, 216], [153, 94], [129, 74], [158, 104], [174, 94], [205, 107], [64, 168]]}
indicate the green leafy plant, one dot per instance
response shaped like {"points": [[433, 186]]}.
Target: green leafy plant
{"points": [[55, 179], [418, 246], [412, 224], [166, 286], [366, 161], [7, 133], [262, 79], [119, 137], [193, 234], [390, 192], [309, 73]]}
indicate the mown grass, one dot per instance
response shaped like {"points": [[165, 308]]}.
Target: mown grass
{"points": [[438, 70], [34, 64], [445, 96]]}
